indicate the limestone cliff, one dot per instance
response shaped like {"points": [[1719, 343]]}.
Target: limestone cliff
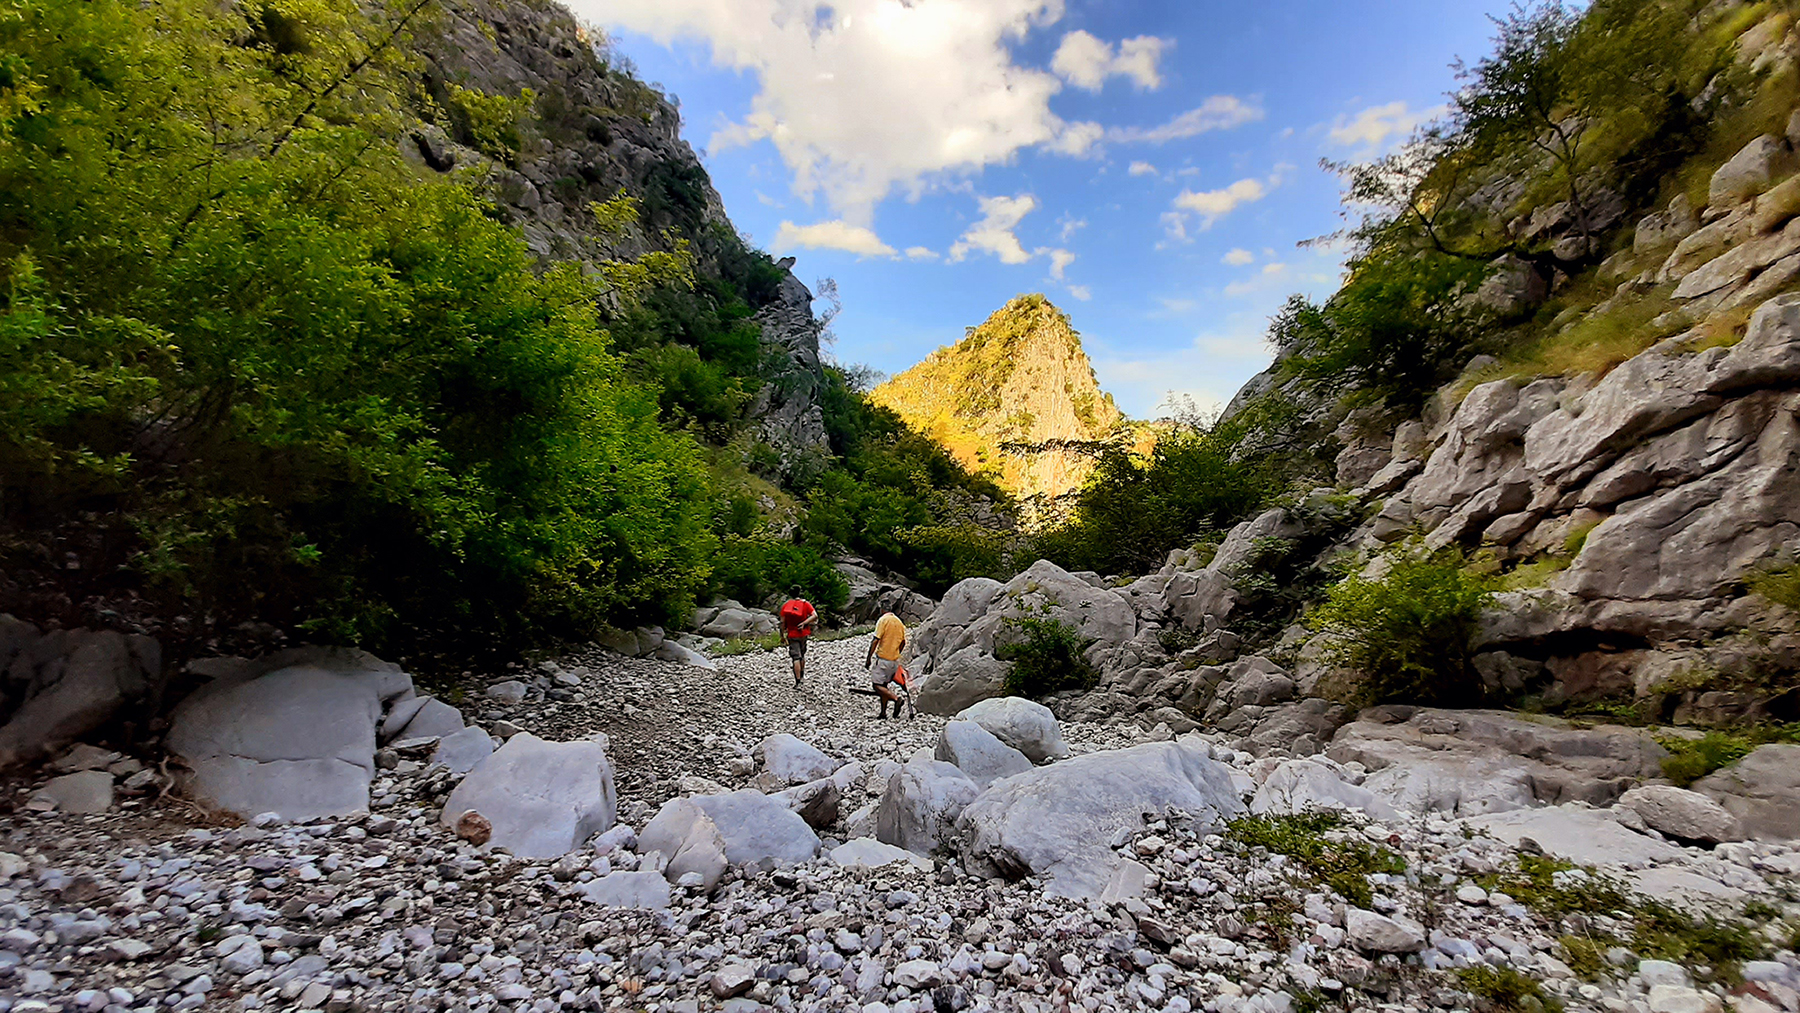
{"points": [[593, 131], [1015, 399]]}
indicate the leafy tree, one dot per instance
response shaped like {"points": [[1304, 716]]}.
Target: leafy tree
{"points": [[287, 378], [1134, 509], [1409, 635]]}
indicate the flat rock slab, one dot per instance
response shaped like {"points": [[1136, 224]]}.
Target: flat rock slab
{"points": [[544, 799], [792, 760], [868, 853], [975, 751], [462, 750], [1762, 790], [629, 889], [87, 791], [1577, 835]]}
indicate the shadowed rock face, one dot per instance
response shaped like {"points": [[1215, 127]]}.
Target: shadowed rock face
{"points": [[594, 133]]}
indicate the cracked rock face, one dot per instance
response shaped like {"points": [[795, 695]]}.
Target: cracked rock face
{"points": [[298, 742]]}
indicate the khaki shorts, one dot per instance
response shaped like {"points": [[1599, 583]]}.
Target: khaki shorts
{"points": [[884, 672]]}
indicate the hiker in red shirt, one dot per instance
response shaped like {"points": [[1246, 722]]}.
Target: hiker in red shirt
{"points": [[798, 618]]}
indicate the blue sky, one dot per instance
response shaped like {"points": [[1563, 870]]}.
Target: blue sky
{"points": [[1149, 166]]}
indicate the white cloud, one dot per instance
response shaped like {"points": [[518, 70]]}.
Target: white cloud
{"points": [[1138, 59], [1059, 260], [1270, 274], [1371, 129], [1220, 112], [1081, 292], [1142, 169], [1077, 139], [1175, 225], [1086, 62], [1205, 371], [863, 97], [994, 232], [832, 235], [921, 253], [1176, 307], [1211, 205], [1070, 225], [1239, 257]]}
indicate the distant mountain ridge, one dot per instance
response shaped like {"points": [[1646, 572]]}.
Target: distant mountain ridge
{"points": [[1015, 399]]}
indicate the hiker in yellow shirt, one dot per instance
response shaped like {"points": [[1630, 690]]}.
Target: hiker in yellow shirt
{"points": [[884, 655]]}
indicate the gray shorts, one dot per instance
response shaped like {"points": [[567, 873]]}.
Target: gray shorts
{"points": [[884, 672], [797, 648]]}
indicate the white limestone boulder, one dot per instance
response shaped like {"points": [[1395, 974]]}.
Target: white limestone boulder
{"points": [[543, 798], [1056, 821], [1023, 724], [920, 805], [975, 751]]}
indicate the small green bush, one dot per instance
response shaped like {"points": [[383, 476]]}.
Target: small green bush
{"points": [[1344, 867], [1047, 659], [1689, 760], [1779, 585], [1505, 990], [1409, 635]]}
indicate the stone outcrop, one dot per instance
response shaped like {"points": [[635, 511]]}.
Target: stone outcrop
{"points": [[61, 685], [293, 733], [606, 132], [1474, 762], [1762, 791], [980, 614]]}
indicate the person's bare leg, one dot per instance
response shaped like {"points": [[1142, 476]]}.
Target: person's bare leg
{"points": [[887, 696]]}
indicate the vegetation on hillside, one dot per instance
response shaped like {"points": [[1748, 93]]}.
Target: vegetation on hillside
{"points": [[254, 366]]}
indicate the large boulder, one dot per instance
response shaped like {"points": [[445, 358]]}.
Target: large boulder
{"points": [[792, 761], [920, 805], [975, 751], [953, 653], [682, 838], [734, 623], [1577, 834], [544, 799], [421, 717], [64, 684], [1057, 821], [970, 675], [759, 828], [1024, 725], [1762, 790], [1680, 813], [298, 741]]}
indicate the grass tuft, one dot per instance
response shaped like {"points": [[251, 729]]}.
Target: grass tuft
{"points": [[1343, 866]]}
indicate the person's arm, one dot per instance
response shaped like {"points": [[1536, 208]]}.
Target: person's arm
{"points": [[812, 621], [869, 658]]}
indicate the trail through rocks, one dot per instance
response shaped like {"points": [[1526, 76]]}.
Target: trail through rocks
{"points": [[148, 908]]}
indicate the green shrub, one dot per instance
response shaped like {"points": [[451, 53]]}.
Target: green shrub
{"points": [[1133, 509], [1504, 990], [1689, 760], [1408, 636], [1046, 658], [754, 570], [304, 385], [1777, 584], [1344, 866]]}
